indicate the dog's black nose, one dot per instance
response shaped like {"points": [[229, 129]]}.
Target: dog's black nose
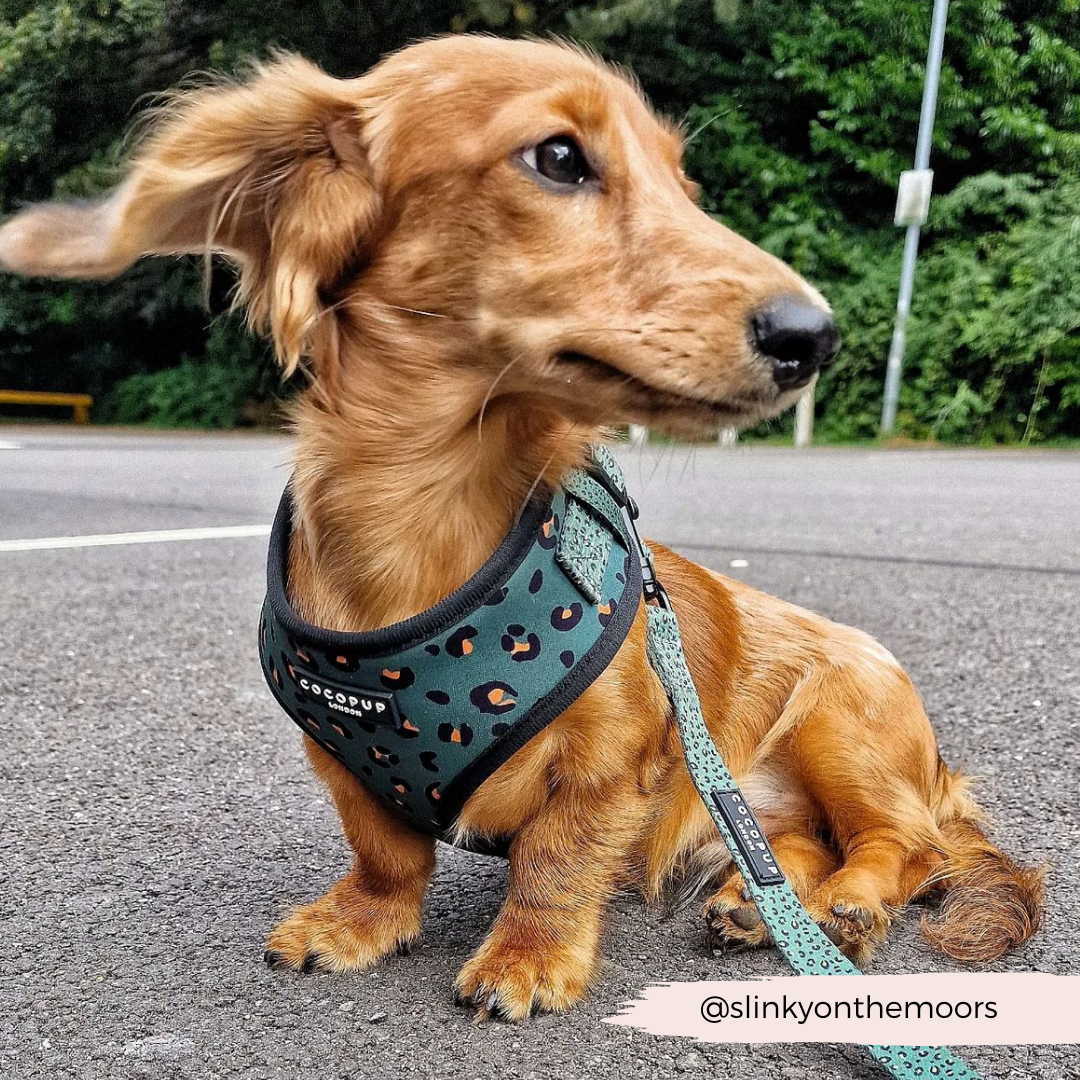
{"points": [[798, 338]]}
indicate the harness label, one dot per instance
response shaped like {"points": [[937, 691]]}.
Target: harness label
{"points": [[748, 836], [373, 706]]}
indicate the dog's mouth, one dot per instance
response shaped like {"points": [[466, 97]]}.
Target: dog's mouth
{"points": [[730, 410]]}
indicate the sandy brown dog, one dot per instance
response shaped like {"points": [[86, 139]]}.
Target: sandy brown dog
{"points": [[483, 251]]}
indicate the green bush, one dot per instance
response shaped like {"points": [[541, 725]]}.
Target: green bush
{"points": [[193, 395], [210, 393]]}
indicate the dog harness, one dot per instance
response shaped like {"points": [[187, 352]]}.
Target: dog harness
{"points": [[423, 711], [427, 709]]}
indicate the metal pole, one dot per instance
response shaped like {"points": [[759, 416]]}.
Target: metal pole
{"points": [[895, 365], [804, 417]]}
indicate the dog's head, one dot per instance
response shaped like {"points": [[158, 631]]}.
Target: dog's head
{"points": [[517, 199]]}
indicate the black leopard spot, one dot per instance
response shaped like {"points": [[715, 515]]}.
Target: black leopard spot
{"points": [[366, 770], [606, 612], [567, 659], [432, 792], [548, 535], [459, 643], [274, 673], [495, 698], [620, 577], [500, 728], [536, 581], [497, 597], [461, 735], [428, 759], [566, 618], [408, 729], [519, 651], [382, 756], [431, 650], [402, 787], [516, 629], [399, 679], [440, 697]]}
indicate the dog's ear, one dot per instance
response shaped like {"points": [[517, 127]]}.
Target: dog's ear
{"points": [[271, 173]]}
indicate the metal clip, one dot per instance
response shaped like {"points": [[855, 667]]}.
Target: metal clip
{"points": [[651, 588]]}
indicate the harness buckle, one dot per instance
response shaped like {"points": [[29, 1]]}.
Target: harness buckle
{"points": [[651, 588]]}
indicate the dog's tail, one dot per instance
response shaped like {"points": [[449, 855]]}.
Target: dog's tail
{"points": [[991, 903]]}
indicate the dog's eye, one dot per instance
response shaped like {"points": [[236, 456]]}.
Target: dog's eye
{"points": [[560, 160]]}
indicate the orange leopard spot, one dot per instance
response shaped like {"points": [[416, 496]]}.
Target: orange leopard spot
{"points": [[455, 736], [466, 647], [519, 646]]}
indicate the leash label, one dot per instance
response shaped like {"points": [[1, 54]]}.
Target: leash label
{"points": [[748, 836], [372, 706]]}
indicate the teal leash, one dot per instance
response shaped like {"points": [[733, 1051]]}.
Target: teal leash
{"points": [[796, 935]]}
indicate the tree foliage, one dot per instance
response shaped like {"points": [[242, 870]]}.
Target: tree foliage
{"points": [[800, 115]]}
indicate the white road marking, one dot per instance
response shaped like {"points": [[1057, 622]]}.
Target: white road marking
{"points": [[7, 445], [160, 536]]}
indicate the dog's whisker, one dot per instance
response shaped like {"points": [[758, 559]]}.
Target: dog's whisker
{"points": [[487, 398], [706, 125], [420, 311]]}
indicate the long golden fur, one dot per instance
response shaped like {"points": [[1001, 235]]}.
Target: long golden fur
{"points": [[389, 238]]}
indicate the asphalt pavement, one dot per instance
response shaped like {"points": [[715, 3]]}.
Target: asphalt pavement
{"points": [[156, 815]]}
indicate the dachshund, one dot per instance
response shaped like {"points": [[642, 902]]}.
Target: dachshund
{"points": [[484, 254]]}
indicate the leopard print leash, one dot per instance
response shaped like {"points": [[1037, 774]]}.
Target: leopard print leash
{"points": [[797, 936]]}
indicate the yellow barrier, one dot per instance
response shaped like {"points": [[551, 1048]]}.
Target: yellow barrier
{"points": [[78, 403]]}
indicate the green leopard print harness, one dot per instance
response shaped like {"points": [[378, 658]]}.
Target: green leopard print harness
{"points": [[423, 711]]}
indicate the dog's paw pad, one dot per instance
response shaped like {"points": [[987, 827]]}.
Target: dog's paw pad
{"points": [[852, 925], [732, 920]]}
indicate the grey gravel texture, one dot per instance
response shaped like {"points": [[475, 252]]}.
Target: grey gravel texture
{"points": [[157, 816]]}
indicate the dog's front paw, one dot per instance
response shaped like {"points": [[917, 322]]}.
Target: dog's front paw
{"points": [[511, 981], [347, 930]]}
